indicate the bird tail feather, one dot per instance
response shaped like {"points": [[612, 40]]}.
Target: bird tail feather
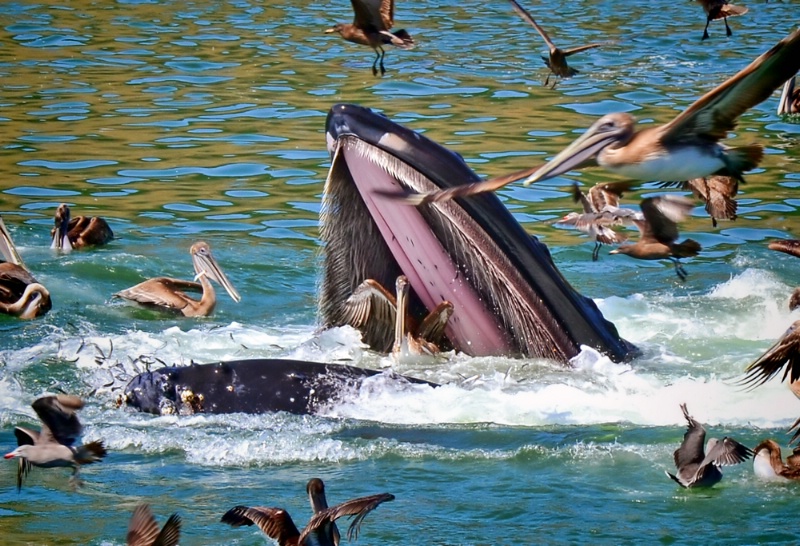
{"points": [[686, 249]]}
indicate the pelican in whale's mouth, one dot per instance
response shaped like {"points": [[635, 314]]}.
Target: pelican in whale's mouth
{"points": [[508, 296]]}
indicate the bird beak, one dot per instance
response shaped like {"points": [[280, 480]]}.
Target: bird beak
{"points": [[329, 30], [7, 248], [9, 455], [785, 104], [580, 152], [205, 264], [60, 238]]}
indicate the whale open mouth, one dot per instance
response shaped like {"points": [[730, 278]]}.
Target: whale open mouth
{"points": [[508, 296]]}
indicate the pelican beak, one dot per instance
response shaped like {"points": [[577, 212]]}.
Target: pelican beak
{"points": [[785, 104], [60, 238], [7, 249], [581, 151], [205, 264]]}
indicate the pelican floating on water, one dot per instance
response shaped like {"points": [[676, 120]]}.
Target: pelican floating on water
{"points": [[685, 148], [78, 232], [20, 294], [143, 529], [373, 19], [720, 9], [790, 98], [769, 464], [277, 524], [169, 293], [557, 59]]}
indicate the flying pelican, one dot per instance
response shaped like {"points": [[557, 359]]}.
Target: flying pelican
{"points": [[373, 19], [557, 60], [20, 294], [78, 232], [659, 231], [685, 148], [790, 98], [698, 467], [143, 529], [600, 211], [372, 310], [789, 246], [168, 293], [720, 9], [768, 462], [52, 446], [277, 524]]}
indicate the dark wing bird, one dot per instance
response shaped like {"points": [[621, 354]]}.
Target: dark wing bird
{"points": [[373, 14], [691, 450], [276, 523], [523, 13], [359, 508], [726, 452], [143, 529], [161, 291], [661, 215], [59, 418], [785, 353]]}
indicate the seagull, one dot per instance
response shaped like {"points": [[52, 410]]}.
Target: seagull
{"points": [[143, 530], [697, 468], [52, 446], [373, 19], [557, 60], [659, 231], [720, 9]]}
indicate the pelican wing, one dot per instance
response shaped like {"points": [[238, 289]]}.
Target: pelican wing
{"points": [[142, 529], [433, 325], [784, 353], [276, 523], [691, 449], [716, 112], [370, 306], [789, 246], [161, 291], [89, 230], [171, 532], [59, 418], [527, 17], [359, 508]]}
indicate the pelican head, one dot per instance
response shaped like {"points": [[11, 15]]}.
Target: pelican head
{"points": [[60, 237], [338, 27], [616, 128], [316, 494], [206, 265]]}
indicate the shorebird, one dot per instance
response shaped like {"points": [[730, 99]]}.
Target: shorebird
{"points": [[685, 148], [78, 232], [789, 246], [168, 293], [790, 98], [717, 192], [20, 294], [373, 19], [659, 231], [372, 310], [277, 524], [600, 211], [557, 59], [699, 468], [769, 465], [143, 529], [52, 446], [720, 9]]}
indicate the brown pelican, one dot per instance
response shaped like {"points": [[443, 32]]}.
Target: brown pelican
{"points": [[659, 231], [168, 293], [373, 19], [699, 468], [768, 462], [319, 502], [277, 524], [20, 294], [78, 232], [600, 211], [720, 9], [374, 311], [143, 529], [790, 98], [557, 60], [789, 246], [685, 148], [717, 192], [52, 446]]}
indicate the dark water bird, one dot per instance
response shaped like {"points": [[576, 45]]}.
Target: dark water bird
{"points": [[277, 524], [659, 232], [78, 232], [768, 462], [698, 467], [790, 98], [720, 9], [144, 531], [717, 192], [373, 19], [687, 147], [53, 445], [319, 502], [601, 210], [789, 246], [783, 355], [169, 293], [557, 59], [373, 310], [21, 295]]}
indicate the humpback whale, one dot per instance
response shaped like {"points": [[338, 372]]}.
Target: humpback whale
{"points": [[509, 298]]}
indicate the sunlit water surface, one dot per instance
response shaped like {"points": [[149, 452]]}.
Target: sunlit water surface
{"points": [[181, 121]]}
